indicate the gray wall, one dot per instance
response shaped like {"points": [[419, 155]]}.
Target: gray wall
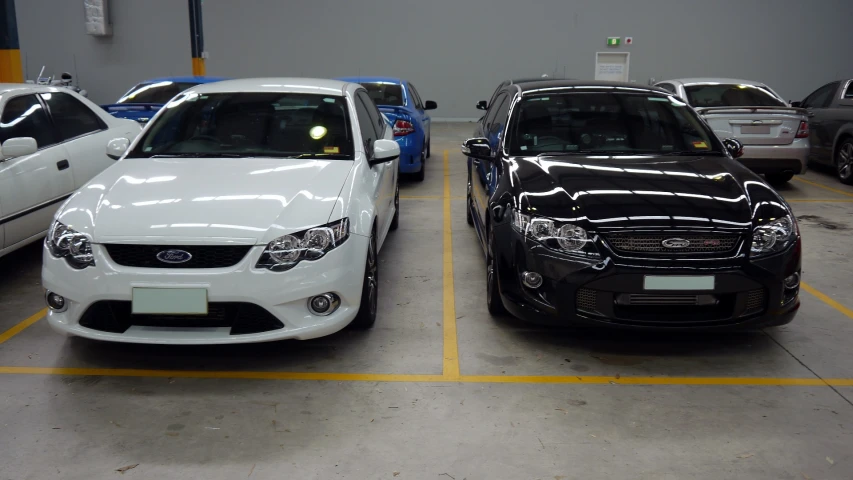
{"points": [[455, 51]]}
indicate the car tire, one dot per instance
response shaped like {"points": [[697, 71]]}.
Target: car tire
{"points": [[428, 151], [844, 162], [493, 295], [421, 174], [366, 316], [468, 216], [395, 222], [778, 179]]}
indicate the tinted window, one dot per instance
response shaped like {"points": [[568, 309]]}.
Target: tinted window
{"points": [[419, 104], [242, 124], [499, 119], [368, 133], [667, 86], [605, 122], [822, 97], [493, 110], [731, 95], [25, 117], [383, 93], [72, 117], [376, 119], [495, 95], [160, 92]]}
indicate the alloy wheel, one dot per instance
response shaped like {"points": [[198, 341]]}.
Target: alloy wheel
{"points": [[845, 162]]}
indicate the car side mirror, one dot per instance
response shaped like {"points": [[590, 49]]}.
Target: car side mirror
{"points": [[796, 104], [482, 105], [18, 147], [734, 147], [430, 105], [117, 147], [384, 151], [477, 148]]}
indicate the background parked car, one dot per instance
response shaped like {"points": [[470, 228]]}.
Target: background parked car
{"points": [[775, 136], [145, 99], [52, 143], [400, 101], [830, 111]]}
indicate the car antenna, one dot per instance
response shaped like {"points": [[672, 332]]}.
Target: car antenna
{"points": [[76, 77]]}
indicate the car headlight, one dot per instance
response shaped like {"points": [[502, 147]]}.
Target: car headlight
{"points": [[553, 234], [75, 247], [286, 251], [773, 236]]}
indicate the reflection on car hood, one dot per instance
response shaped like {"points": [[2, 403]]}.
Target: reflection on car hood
{"points": [[241, 200], [610, 193]]}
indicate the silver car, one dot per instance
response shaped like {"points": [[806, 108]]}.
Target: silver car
{"points": [[775, 136]]}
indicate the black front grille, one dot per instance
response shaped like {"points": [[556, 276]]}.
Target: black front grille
{"points": [[654, 243], [586, 300], [116, 317], [754, 302], [641, 299], [203, 256]]}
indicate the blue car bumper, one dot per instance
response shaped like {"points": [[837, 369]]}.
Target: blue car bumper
{"points": [[411, 147]]}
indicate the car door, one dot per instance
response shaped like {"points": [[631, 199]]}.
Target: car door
{"points": [[483, 171], [378, 173], [389, 170], [819, 138], [426, 121], [31, 186], [84, 134]]}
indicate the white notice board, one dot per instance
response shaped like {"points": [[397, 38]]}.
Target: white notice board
{"points": [[612, 66]]}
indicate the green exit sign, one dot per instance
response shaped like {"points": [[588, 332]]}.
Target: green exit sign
{"points": [[613, 41]]}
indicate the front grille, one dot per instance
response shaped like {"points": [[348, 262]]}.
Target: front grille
{"points": [[243, 318], [754, 302], [653, 243], [203, 256], [586, 300], [664, 300]]}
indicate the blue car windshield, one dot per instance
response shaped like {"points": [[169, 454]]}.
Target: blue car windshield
{"points": [[250, 124], [159, 92], [384, 93]]}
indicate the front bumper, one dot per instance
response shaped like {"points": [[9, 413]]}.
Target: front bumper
{"points": [[748, 295], [411, 147], [791, 158], [282, 296]]}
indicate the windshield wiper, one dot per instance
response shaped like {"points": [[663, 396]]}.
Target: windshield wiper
{"points": [[334, 156], [198, 155], [688, 153]]}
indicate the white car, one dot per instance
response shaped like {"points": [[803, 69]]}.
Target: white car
{"points": [[246, 211], [52, 143]]}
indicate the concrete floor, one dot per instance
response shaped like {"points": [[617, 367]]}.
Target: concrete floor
{"points": [[531, 403]]}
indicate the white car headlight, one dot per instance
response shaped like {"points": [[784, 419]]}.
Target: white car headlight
{"points": [[75, 247], [773, 236], [565, 237], [286, 251]]}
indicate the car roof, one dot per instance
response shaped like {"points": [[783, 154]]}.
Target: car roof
{"points": [[701, 80], [187, 79], [556, 84], [360, 79], [29, 87], [275, 84]]}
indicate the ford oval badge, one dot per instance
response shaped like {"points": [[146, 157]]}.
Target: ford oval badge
{"points": [[174, 256], [675, 243]]}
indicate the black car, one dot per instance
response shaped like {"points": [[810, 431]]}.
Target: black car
{"points": [[830, 110], [614, 204]]}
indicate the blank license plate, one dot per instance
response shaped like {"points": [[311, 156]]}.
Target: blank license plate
{"points": [[755, 129], [170, 301], [651, 282]]}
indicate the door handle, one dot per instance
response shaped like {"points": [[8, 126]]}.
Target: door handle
{"points": [[62, 164]]}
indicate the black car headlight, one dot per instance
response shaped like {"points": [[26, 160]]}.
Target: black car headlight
{"points": [[554, 234], [286, 251], [75, 247], [773, 236]]}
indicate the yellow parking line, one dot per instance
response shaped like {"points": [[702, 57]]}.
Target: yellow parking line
{"points": [[22, 325], [451, 347], [428, 197], [819, 200], [827, 300], [378, 377], [820, 185]]}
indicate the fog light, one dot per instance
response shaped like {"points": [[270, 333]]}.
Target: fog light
{"points": [[792, 281], [55, 301], [324, 304], [531, 279]]}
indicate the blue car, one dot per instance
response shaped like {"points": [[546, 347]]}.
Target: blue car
{"points": [[141, 102], [401, 103]]}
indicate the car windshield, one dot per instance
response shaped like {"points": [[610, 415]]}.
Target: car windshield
{"points": [[608, 123], [385, 93], [259, 124], [731, 95], [159, 92]]}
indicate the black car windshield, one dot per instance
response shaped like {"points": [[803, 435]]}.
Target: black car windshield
{"points": [[731, 95], [159, 92], [250, 124], [608, 123], [385, 93]]}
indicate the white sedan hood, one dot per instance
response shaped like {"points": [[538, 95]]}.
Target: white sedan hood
{"points": [[200, 200]]}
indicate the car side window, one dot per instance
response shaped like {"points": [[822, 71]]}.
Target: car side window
{"points": [[419, 104], [848, 94], [365, 124], [668, 87], [495, 95], [493, 110], [822, 97], [24, 116], [500, 118], [376, 119], [72, 117]]}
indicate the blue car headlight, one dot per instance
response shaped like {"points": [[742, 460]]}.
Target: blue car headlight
{"points": [[286, 251]]}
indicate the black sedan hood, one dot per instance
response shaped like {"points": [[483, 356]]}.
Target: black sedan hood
{"points": [[608, 193]]}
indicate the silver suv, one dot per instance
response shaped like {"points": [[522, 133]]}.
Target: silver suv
{"points": [[775, 136]]}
